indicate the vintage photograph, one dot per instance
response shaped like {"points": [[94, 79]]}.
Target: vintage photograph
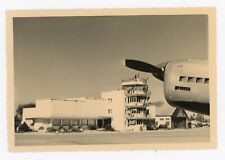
{"points": [[112, 78]]}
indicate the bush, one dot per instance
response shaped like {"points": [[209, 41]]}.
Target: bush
{"points": [[92, 127], [77, 129], [199, 125], [152, 127], [17, 123], [51, 129], [163, 126], [66, 128], [24, 127], [70, 129], [41, 128]]}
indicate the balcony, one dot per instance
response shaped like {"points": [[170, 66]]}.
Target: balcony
{"points": [[137, 93], [134, 81], [136, 115], [137, 104]]}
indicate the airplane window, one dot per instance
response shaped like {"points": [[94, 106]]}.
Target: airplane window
{"points": [[183, 79], [192, 79], [199, 80], [207, 80], [182, 88]]}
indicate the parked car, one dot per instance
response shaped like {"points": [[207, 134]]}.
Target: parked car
{"points": [[152, 127]]}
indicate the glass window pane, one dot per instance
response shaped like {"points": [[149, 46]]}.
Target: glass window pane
{"points": [[65, 122], [56, 122], [207, 80], [46, 121], [199, 80], [91, 122], [183, 79], [75, 122], [192, 79], [84, 122]]}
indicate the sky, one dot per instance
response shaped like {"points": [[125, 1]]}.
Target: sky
{"points": [[62, 57]]}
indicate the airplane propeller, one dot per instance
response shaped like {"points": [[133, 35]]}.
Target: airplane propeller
{"points": [[146, 67]]}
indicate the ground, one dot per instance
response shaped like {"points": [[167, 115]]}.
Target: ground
{"points": [[198, 135]]}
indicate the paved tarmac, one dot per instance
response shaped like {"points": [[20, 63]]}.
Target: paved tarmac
{"points": [[196, 135]]}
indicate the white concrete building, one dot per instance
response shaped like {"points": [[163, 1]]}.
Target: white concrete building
{"points": [[117, 104], [138, 112], [127, 109], [69, 112], [163, 120]]}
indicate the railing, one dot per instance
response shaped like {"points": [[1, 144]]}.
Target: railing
{"points": [[135, 80], [140, 81], [137, 104], [136, 115], [137, 92]]}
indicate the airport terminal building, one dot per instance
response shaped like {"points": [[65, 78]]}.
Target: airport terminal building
{"points": [[126, 109]]}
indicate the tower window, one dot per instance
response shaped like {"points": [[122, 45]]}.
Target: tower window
{"points": [[199, 80], [109, 110], [183, 79], [84, 122], [192, 79], [206, 80]]}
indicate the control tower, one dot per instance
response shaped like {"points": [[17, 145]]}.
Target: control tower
{"points": [[137, 96]]}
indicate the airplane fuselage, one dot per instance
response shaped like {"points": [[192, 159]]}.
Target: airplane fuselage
{"points": [[186, 85]]}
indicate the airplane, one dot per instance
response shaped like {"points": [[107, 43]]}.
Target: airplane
{"points": [[186, 82]]}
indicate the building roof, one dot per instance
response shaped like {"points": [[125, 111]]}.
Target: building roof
{"points": [[77, 99], [168, 110], [180, 113], [136, 80], [164, 110]]}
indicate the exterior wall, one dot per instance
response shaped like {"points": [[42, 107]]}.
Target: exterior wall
{"points": [[152, 111], [38, 123], [163, 120], [34, 117], [68, 109], [90, 108], [76, 109], [43, 109], [28, 113], [117, 98]]}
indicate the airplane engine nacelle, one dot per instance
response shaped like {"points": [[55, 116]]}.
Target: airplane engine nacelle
{"points": [[186, 85]]}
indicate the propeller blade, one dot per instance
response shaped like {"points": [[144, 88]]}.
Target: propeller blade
{"points": [[142, 66], [146, 67]]}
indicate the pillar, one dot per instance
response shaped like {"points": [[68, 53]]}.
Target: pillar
{"points": [[50, 122], [103, 122]]}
